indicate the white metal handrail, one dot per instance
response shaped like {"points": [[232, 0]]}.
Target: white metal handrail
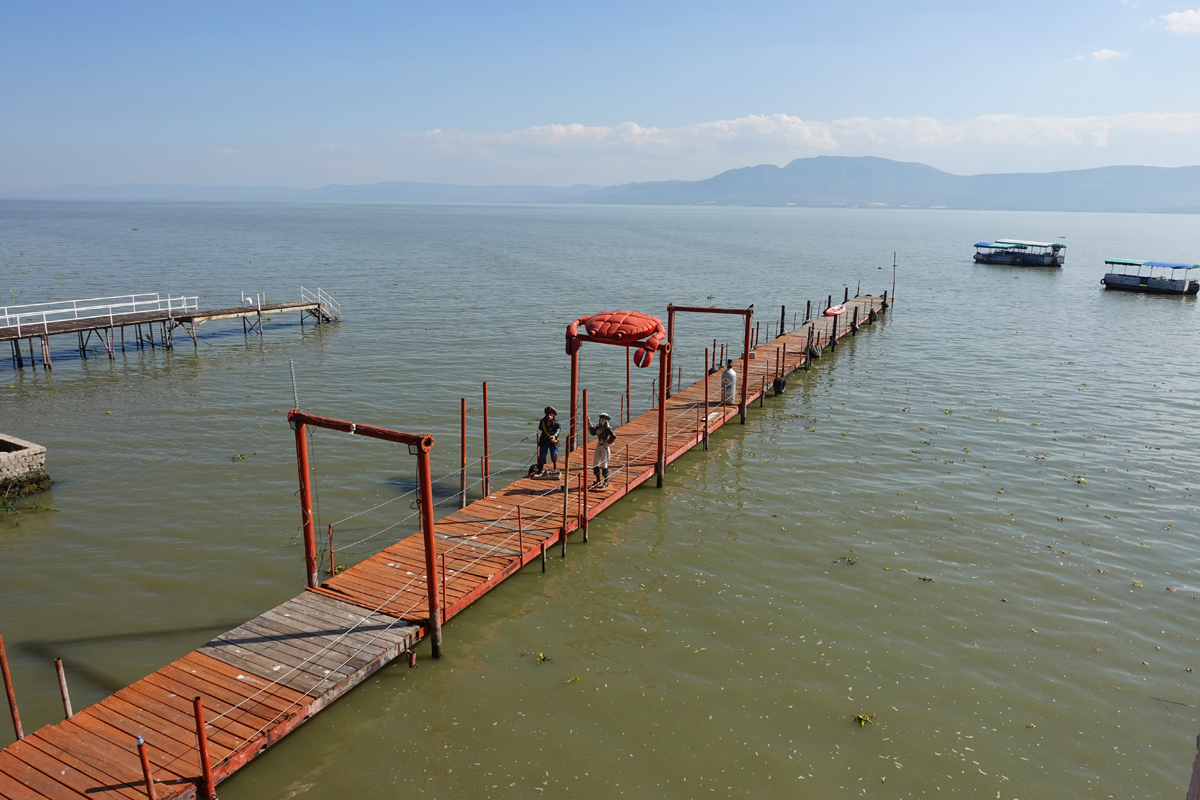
{"points": [[40, 315], [323, 299]]}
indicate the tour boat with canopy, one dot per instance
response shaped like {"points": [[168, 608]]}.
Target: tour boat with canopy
{"points": [[1153, 277], [1020, 253]]}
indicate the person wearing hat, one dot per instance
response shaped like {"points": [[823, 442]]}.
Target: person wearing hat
{"points": [[605, 436], [547, 441]]}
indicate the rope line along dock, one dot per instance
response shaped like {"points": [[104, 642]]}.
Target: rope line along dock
{"points": [[180, 730], [153, 317]]}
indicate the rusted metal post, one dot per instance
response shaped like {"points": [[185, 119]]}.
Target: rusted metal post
{"points": [[425, 477], [462, 467], [62, 689], [621, 412], [746, 366], [783, 373], [566, 499], [208, 787], [713, 366], [628, 382], [520, 532], [543, 546], [583, 473], [757, 332], [706, 377], [679, 380], [574, 400], [762, 392], [669, 356], [626, 469], [722, 362], [141, 746], [332, 560], [8, 690], [660, 464], [582, 501], [306, 515], [487, 456], [445, 605]]}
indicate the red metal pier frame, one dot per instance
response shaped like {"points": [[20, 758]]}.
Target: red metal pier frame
{"points": [[650, 342], [747, 312], [419, 445]]}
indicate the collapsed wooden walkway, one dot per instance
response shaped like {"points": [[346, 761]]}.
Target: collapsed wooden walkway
{"points": [[259, 681]]}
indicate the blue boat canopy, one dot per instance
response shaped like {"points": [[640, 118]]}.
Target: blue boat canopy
{"points": [[1169, 265], [1125, 262]]}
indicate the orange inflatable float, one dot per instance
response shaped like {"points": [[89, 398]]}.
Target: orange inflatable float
{"points": [[627, 328], [834, 311]]}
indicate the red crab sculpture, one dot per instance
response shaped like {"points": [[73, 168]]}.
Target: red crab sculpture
{"points": [[626, 328]]}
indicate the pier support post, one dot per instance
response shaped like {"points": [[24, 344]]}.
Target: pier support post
{"points": [[628, 383], [306, 515], [425, 477], [660, 464], [487, 460], [574, 400], [462, 467], [707, 375], [208, 787], [583, 472], [782, 319], [8, 691], [669, 355], [745, 366], [62, 689], [141, 746]]}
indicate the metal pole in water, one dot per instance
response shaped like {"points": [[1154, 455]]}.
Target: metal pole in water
{"points": [[62, 688], [332, 560], [425, 476], [208, 787], [583, 474], [487, 460], [306, 514], [12, 696], [706, 377], [462, 466]]}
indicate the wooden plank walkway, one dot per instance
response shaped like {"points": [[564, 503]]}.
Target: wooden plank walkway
{"points": [[262, 679], [11, 333]]}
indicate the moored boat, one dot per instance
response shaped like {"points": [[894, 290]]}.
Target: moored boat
{"points": [[1153, 277], [1020, 253]]}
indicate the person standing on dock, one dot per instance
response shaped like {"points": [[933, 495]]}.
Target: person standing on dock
{"points": [[605, 436], [547, 440], [728, 384]]}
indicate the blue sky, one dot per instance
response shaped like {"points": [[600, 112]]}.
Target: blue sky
{"points": [[304, 94]]}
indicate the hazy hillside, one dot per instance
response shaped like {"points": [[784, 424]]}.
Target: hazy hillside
{"points": [[841, 181], [820, 181]]}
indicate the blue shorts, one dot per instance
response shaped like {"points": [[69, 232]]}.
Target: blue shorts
{"points": [[552, 449]]}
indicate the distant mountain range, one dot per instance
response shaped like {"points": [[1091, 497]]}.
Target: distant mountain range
{"points": [[822, 181]]}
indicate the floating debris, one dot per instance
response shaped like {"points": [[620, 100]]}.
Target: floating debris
{"points": [[863, 719]]}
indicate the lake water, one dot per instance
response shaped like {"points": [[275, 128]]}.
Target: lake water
{"points": [[1020, 437]]}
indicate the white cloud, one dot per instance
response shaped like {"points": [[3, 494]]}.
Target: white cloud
{"points": [[1106, 54], [1187, 21], [562, 154]]}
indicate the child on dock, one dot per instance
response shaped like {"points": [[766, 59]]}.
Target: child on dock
{"points": [[605, 436], [547, 441]]}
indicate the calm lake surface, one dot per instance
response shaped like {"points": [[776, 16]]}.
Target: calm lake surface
{"points": [[1019, 436]]}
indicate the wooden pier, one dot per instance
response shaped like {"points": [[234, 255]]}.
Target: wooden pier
{"points": [[153, 319], [206, 715]]}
